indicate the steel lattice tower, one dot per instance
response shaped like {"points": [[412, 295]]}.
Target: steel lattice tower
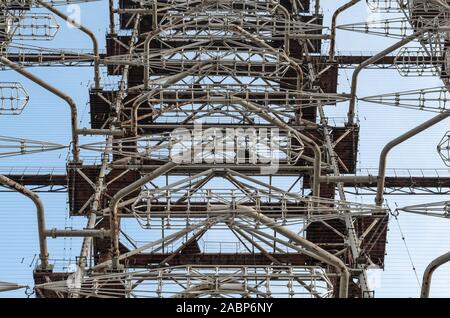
{"points": [[216, 104]]}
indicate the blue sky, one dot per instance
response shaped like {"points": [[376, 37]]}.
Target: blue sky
{"points": [[47, 118]]}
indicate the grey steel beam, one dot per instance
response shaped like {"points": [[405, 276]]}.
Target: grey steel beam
{"points": [[311, 144]]}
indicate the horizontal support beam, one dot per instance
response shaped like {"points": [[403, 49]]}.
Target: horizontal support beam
{"points": [[40, 179], [54, 233], [144, 260], [100, 132], [350, 181], [68, 59]]}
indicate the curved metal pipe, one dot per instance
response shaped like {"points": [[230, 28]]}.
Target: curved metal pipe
{"points": [[374, 59], [84, 30], [287, 16], [150, 37], [428, 274], [322, 254], [57, 92], [236, 28], [119, 196], [383, 157], [441, 3], [277, 122], [142, 248], [346, 6], [294, 64], [43, 250], [172, 80]]}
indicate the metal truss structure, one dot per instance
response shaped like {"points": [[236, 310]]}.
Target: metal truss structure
{"points": [[203, 281], [214, 104]]}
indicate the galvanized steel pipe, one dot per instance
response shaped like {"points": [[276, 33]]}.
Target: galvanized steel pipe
{"points": [[397, 141], [307, 245], [57, 92], [170, 81], [334, 27], [43, 250], [428, 274], [277, 122], [370, 61], [84, 30], [123, 193]]}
